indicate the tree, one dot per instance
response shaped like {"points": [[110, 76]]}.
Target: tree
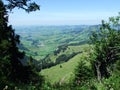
{"points": [[83, 74], [11, 68], [106, 47], [23, 4]]}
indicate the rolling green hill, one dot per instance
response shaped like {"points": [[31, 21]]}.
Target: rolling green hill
{"points": [[62, 73], [39, 41], [57, 48]]}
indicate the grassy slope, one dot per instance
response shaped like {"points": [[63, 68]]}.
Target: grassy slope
{"points": [[56, 74]]}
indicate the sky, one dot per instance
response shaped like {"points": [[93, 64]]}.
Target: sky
{"points": [[67, 12]]}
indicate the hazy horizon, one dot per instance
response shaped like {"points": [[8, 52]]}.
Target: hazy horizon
{"points": [[65, 12]]}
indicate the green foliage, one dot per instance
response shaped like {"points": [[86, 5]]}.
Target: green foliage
{"points": [[83, 74], [9, 54], [107, 47], [27, 5], [60, 48], [12, 71], [64, 58], [104, 58]]}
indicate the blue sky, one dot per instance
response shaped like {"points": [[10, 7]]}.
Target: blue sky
{"points": [[67, 12]]}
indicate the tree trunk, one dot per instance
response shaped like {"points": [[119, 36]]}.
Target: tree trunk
{"points": [[97, 66]]}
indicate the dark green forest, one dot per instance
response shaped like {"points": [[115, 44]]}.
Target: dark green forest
{"points": [[28, 60]]}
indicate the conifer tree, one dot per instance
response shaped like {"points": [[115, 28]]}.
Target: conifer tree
{"points": [[11, 68]]}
